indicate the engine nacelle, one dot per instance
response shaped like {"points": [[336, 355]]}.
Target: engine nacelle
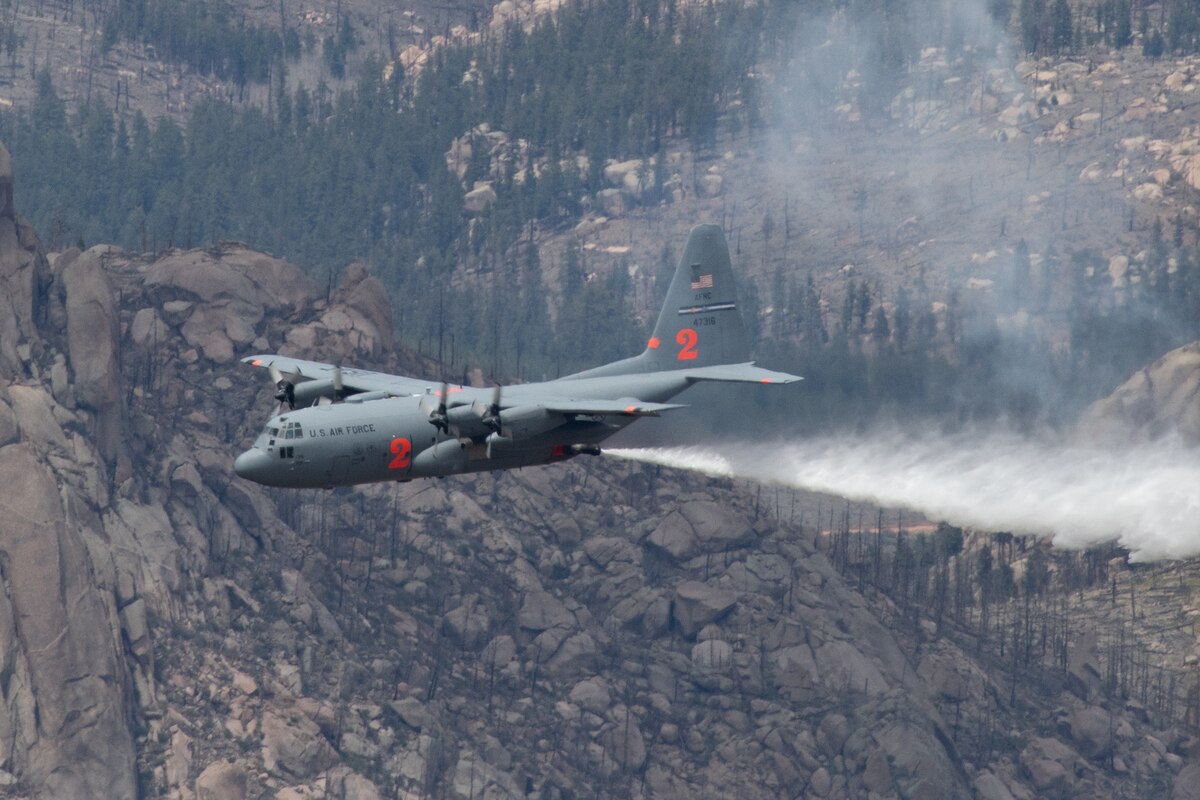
{"points": [[310, 392], [465, 421], [444, 458], [524, 422]]}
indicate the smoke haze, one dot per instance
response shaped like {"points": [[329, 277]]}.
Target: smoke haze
{"points": [[1146, 497], [921, 184]]}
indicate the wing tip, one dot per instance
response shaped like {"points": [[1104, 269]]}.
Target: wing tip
{"points": [[747, 372]]}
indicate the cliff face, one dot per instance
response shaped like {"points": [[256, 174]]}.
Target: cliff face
{"points": [[66, 722], [23, 276], [593, 628]]}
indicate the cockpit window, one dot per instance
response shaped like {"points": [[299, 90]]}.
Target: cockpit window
{"points": [[292, 430]]}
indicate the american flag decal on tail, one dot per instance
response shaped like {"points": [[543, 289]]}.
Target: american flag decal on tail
{"points": [[701, 281]]}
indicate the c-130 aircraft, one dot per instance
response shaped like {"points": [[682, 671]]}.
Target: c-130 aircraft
{"points": [[365, 427]]}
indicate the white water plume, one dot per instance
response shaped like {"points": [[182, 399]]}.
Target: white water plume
{"points": [[1146, 497]]}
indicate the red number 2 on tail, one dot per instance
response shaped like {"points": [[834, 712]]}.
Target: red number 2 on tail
{"points": [[687, 337], [402, 449]]}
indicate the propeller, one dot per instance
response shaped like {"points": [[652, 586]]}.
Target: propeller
{"points": [[437, 412], [489, 414], [285, 389]]}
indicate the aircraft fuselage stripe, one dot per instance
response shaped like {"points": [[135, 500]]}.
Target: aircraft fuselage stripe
{"points": [[705, 309]]}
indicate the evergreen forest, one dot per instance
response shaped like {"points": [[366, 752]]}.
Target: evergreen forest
{"points": [[356, 168]]}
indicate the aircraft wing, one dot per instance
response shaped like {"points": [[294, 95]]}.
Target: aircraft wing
{"points": [[359, 380], [625, 407], [740, 373]]}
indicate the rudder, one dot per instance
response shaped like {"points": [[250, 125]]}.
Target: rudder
{"points": [[700, 323]]}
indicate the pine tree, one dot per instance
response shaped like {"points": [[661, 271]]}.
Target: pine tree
{"points": [[880, 331], [863, 305], [902, 318], [848, 307], [1031, 13], [1017, 288], [812, 320], [1124, 28], [1153, 45], [1062, 31], [1001, 11]]}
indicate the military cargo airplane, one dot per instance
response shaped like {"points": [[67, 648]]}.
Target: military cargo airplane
{"points": [[350, 426]]}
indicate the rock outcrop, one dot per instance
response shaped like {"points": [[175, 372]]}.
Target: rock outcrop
{"points": [[23, 280], [221, 296], [93, 342], [67, 711], [1163, 398]]}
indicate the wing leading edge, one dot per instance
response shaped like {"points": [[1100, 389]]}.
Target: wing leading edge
{"points": [[358, 380], [361, 380]]}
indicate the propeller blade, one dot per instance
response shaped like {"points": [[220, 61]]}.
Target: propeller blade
{"points": [[285, 388], [443, 422], [337, 382], [427, 404], [437, 413], [490, 415]]}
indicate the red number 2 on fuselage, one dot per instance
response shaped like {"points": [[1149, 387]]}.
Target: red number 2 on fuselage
{"points": [[687, 337], [402, 450]]}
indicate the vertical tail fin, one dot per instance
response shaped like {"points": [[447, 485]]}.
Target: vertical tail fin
{"points": [[700, 324]]}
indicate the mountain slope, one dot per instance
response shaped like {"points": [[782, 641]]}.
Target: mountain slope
{"points": [[592, 628]]}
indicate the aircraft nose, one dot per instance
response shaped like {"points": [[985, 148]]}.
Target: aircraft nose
{"points": [[251, 465]]}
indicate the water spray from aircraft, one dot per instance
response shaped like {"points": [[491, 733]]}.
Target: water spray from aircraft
{"points": [[1146, 497]]}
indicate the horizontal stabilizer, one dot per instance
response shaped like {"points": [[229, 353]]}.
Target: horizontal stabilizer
{"points": [[740, 373]]}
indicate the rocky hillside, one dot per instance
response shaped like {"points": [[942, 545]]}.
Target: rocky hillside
{"points": [[1160, 399], [69, 40], [590, 629]]}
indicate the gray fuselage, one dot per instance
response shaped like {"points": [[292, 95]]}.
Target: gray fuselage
{"points": [[365, 426], [392, 438]]}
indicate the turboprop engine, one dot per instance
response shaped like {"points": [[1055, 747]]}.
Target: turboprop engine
{"points": [[524, 422]]}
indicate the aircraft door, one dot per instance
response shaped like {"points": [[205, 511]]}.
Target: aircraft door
{"points": [[339, 471]]}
